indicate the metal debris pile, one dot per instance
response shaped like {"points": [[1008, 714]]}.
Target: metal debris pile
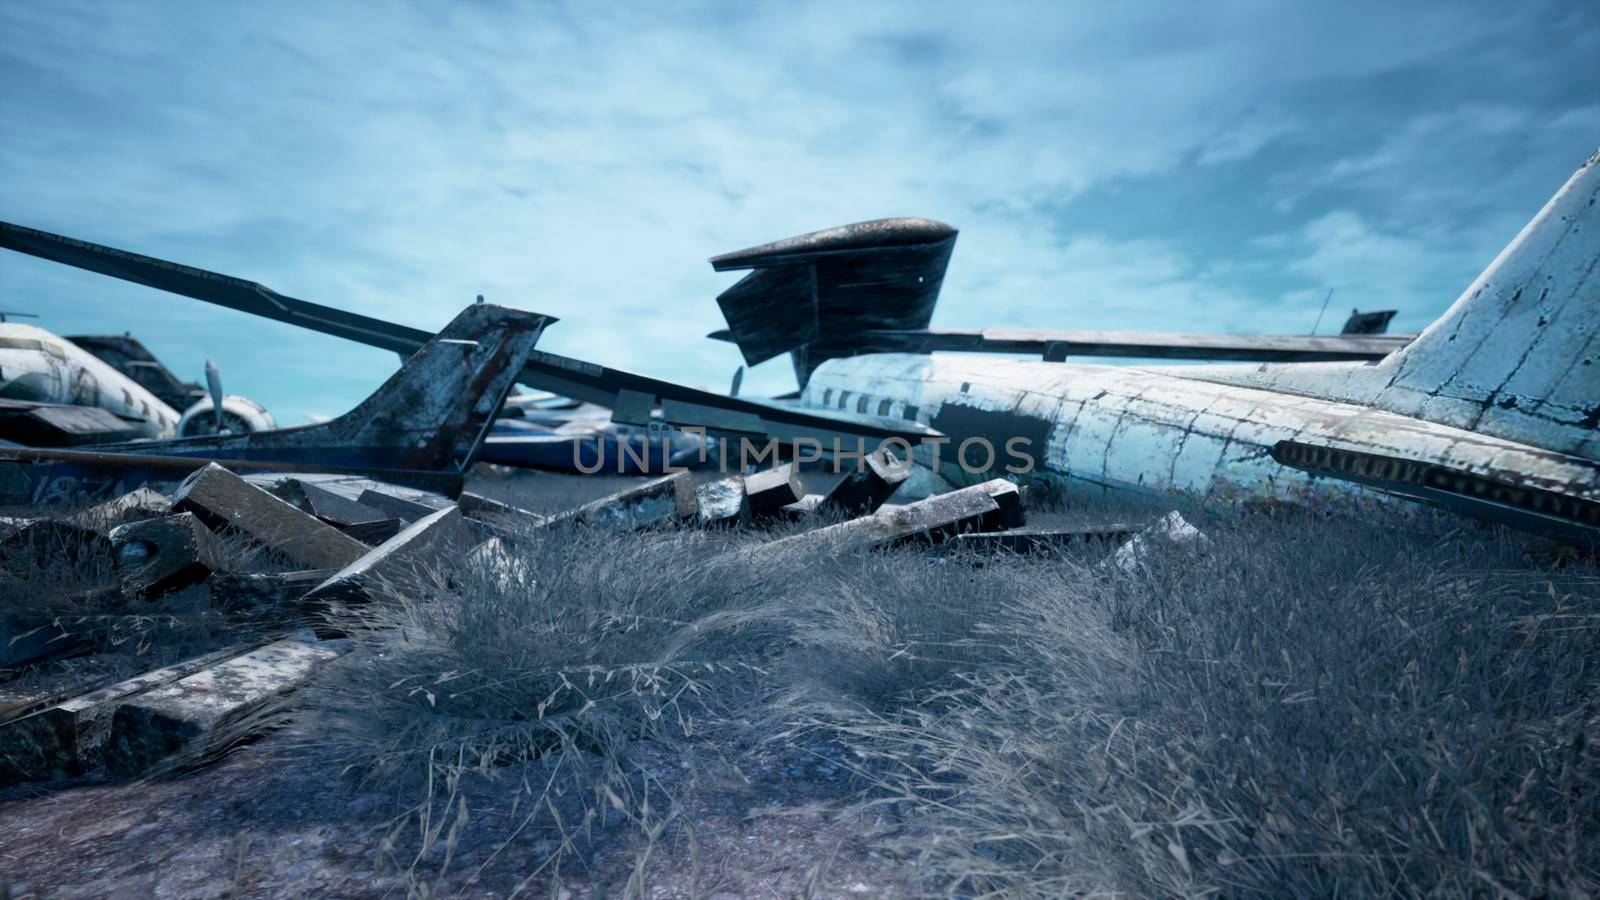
{"points": [[326, 544]]}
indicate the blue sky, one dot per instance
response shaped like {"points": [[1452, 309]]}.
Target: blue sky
{"points": [[1212, 166]]}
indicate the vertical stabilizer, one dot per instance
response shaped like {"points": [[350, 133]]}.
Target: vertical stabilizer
{"points": [[1518, 354]]}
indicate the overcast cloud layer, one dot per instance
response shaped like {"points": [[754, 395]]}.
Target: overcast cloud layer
{"points": [[1211, 166]]}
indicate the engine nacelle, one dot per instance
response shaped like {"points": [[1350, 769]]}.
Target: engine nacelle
{"points": [[240, 415]]}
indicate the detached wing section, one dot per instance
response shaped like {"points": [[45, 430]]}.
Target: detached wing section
{"points": [[815, 294], [1056, 346], [1523, 500], [631, 397]]}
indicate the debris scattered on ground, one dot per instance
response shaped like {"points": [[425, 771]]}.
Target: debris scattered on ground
{"points": [[193, 715], [869, 486], [1171, 530], [158, 556]]}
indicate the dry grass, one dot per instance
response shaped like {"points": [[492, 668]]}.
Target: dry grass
{"points": [[1362, 705]]}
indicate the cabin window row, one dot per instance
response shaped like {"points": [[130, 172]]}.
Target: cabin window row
{"points": [[864, 404]]}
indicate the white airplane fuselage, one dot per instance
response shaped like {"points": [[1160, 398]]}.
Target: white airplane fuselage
{"points": [[38, 366], [1152, 429]]}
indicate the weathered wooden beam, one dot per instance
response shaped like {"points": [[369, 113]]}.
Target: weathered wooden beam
{"points": [[767, 492], [433, 541], [223, 500], [993, 505], [68, 738], [804, 507], [869, 486], [158, 556], [202, 714]]}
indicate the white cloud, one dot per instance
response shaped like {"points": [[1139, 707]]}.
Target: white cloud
{"points": [[584, 160]]}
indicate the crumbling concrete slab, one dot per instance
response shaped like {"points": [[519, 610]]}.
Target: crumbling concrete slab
{"points": [[434, 541], [993, 505], [223, 500], [134, 506], [68, 737], [158, 556], [201, 715], [1169, 532], [722, 503], [862, 491], [657, 501], [767, 492]]}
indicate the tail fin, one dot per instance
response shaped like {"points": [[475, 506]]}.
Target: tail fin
{"points": [[1518, 354], [432, 414], [811, 294]]}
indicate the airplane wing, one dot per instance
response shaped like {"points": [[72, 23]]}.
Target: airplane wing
{"points": [[631, 397], [32, 423], [1056, 346], [1518, 499]]}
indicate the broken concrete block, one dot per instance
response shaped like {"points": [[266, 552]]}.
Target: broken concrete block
{"points": [[654, 502], [722, 502], [262, 592], [202, 714], [158, 556], [433, 541], [395, 506], [805, 506], [1168, 532], [769, 491], [1030, 540], [920, 483], [504, 568], [68, 737], [500, 515], [373, 533], [333, 508], [860, 492], [990, 506], [133, 506], [223, 500]]}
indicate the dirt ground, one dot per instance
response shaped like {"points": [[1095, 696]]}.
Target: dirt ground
{"points": [[257, 824]]}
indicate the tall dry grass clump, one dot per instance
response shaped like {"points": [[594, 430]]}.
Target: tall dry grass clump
{"points": [[1309, 706]]}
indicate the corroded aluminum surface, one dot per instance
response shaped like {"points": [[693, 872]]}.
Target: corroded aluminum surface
{"points": [[1144, 429]]}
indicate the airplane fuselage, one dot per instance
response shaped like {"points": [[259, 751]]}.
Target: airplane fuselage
{"points": [[1151, 429], [36, 365]]}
